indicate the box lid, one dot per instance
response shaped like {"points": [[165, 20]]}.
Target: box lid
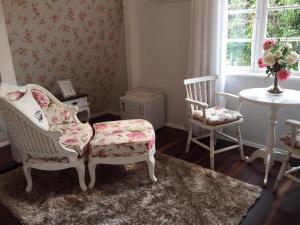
{"points": [[144, 92]]}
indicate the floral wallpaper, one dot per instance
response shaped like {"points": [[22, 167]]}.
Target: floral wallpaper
{"points": [[58, 39]]}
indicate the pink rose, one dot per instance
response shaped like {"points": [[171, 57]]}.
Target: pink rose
{"points": [[40, 98], [136, 135], [268, 44], [54, 119], [260, 63], [100, 126], [283, 74], [70, 141]]}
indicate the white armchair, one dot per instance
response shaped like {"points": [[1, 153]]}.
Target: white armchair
{"points": [[292, 144], [45, 131], [205, 114]]}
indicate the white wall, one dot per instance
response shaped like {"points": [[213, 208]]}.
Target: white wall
{"points": [[163, 50], [120, 78], [6, 65], [255, 126]]}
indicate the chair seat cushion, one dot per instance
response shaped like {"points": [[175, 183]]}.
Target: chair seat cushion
{"points": [[75, 136], [217, 115], [287, 139], [122, 138]]}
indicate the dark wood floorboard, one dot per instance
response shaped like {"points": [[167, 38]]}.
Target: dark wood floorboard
{"points": [[282, 208]]}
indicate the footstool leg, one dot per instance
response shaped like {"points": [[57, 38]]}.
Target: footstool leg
{"points": [[92, 168], [151, 165]]}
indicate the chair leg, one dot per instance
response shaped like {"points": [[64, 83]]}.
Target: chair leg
{"points": [[27, 173], [282, 170], [189, 140], [151, 165], [92, 168], [212, 150], [240, 141], [81, 175]]}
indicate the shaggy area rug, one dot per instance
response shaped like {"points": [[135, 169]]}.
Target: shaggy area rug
{"points": [[184, 194]]}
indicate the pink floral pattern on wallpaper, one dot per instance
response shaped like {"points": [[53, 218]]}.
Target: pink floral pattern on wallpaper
{"points": [[58, 39]]}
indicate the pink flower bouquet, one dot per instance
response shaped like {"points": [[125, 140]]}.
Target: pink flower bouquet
{"points": [[278, 59]]}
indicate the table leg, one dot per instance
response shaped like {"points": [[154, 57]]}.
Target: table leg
{"points": [[270, 141]]}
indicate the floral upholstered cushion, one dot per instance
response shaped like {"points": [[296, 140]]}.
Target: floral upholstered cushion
{"points": [[217, 115], [287, 139], [75, 136], [54, 113], [122, 138]]}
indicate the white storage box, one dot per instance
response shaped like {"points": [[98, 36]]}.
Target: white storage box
{"points": [[145, 104]]}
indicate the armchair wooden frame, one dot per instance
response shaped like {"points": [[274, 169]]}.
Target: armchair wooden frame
{"points": [[35, 142]]}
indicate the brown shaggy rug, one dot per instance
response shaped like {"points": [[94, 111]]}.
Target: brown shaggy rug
{"points": [[184, 194]]}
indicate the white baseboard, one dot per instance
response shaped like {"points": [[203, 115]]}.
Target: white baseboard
{"points": [[176, 126]]}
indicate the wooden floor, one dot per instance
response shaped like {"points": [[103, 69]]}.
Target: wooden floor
{"points": [[271, 209]]}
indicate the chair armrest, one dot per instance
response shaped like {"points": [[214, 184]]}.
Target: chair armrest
{"points": [[226, 96], [193, 102], [195, 105], [293, 123]]}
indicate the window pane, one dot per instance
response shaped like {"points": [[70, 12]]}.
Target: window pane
{"points": [[296, 48], [240, 25], [238, 54], [241, 4], [274, 3], [284, 23]]}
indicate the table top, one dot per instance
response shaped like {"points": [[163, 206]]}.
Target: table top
{"points": [[261, 96]]}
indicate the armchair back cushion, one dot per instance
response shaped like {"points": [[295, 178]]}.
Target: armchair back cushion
{"points": [[25, 103], [54, 113]]}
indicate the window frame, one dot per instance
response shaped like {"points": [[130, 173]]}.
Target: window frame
{"points": [[260, 24]]}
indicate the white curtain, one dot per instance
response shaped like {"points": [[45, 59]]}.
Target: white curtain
{"points": [[207, 46]]}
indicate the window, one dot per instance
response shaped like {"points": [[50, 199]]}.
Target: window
{"points": [[250, 22]]}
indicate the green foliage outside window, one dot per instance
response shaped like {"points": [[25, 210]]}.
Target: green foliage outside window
{"points": [[280, 23]]}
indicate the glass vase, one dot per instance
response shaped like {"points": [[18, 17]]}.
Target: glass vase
{"points": [[275, 89]]}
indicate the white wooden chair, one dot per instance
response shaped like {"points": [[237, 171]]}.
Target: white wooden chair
{"points": [[44, 144], [204, 114], [292, 144]]}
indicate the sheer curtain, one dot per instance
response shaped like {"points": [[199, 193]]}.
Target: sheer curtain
{"points": [[207, 47]]}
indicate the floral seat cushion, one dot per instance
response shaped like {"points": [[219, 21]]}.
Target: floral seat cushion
{"points": [[217, 115], [122, 138], [287, 139], [75, 136]]}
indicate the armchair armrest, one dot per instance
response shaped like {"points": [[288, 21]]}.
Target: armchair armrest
{"points": [[73, 110]]}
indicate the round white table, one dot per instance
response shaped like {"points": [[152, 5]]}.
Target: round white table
{"points": [[260, 96]]}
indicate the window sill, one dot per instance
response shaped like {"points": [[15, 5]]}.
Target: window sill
{"points": [[294, 76]]}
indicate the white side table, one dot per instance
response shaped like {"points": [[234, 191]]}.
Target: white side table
{"points": [[80, 100], [260, 96]]}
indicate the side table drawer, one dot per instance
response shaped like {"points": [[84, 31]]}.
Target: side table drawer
{"points": [[77, 102]]}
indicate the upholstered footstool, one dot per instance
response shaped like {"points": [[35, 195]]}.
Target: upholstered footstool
{"points": [[122, 142]]}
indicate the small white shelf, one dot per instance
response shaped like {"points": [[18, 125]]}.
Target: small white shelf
{"points": [[4, 143]]}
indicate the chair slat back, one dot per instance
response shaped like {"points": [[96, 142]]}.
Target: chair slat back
{"points": [[201, 89], [27, 136]]}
